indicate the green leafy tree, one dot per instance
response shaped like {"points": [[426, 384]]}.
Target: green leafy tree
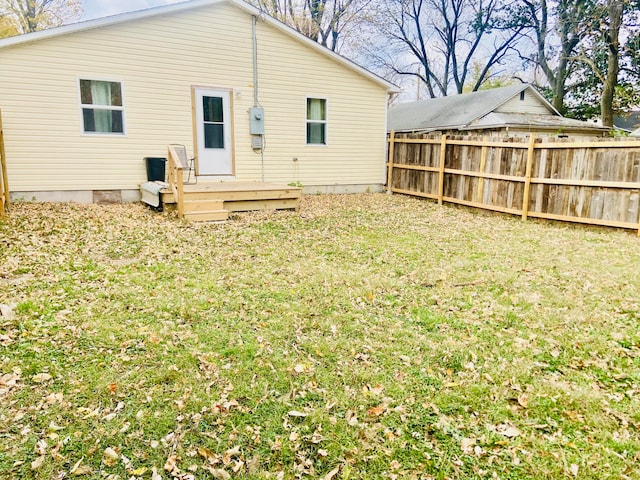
{"points": [[556, 28], [24, 16], [7, 29], [607, 82]]}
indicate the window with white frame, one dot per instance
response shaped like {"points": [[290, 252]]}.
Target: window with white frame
{"points": [[316, 121], [102, 107]]}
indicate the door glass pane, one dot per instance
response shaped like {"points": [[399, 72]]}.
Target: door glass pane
{"points": [[212, 109], [213, 135]]}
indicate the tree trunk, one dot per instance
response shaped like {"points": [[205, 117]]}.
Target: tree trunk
{"points": [[615, 9]]}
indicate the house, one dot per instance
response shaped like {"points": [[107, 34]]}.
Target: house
{"points": [[253, 100], [636, 133], [516, 110], [629, 121]]}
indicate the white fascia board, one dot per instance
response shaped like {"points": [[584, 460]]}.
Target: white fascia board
{"points": [[188, 5], [103, 22]]}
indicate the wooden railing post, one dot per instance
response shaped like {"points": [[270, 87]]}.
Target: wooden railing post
{"points": [[443, 151], [176, 181], [527, 176], [392, 142], [5, 196]]}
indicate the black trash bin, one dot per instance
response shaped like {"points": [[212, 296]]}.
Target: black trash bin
{"points": [[155, 168]]}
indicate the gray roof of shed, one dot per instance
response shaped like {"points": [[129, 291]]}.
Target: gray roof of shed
{"points": [[476, 110], [532, 121], [453, 111], [629, 121]]}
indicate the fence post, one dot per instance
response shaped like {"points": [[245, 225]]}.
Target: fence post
{"points": [[483, 165], [638, 217], [527, 176], [5, 199], [392, 138], [443, 151]]}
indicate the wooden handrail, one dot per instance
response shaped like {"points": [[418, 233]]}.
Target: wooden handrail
{"points": [[5, 199], [176, 181]]}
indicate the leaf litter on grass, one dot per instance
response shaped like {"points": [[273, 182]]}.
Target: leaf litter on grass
{"points": [[367, 336]]}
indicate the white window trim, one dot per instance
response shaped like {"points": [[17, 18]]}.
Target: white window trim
{"points": [[102, 107], [325, 122]]}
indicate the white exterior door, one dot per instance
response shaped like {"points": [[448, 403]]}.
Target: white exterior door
{"points": [[213, 132]]}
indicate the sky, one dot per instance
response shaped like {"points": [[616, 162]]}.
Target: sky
{"points": [[104, 8]]}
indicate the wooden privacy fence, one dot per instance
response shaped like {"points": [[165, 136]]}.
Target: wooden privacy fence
{"points": [[594, 182], [4, 180]]}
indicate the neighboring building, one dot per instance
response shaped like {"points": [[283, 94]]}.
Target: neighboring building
{"points": [[636, 133], [83, 104], [514, 110], [629, 121]]}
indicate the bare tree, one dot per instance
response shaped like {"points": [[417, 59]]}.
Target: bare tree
{"points": [[324, 21], [446, 43], [24, 16]]}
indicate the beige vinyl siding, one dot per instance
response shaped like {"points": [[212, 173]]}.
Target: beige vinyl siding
{"points": [[530, 104], [158, 60], [356, 112]]}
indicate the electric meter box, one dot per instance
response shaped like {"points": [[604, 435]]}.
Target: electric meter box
{"points": [[256, 121]]}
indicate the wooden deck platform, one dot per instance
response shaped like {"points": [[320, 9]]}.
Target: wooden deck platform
{"points": [[210, 201]]}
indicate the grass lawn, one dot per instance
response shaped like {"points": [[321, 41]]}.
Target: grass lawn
{"points": [[367, 336]]}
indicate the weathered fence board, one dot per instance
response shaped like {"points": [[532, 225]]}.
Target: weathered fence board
{"points": [[592, 181]]}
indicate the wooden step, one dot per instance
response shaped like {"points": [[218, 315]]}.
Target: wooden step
{"points": [[248, 205], [205, 205], [244, 195], [207, 216]]}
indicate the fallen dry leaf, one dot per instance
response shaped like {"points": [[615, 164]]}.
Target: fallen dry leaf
{"points": [[41, 378], [508, 431], [38, 462], [219, 473], [41, 447], [467, 444], [78, 469], [351, 417], [523, 400], [171, 463], [155, 475], [6, 311], [376, 411], [109, 457], [331, 474], [573, 468], [295, 413], [233, 452], [208, 455]]}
